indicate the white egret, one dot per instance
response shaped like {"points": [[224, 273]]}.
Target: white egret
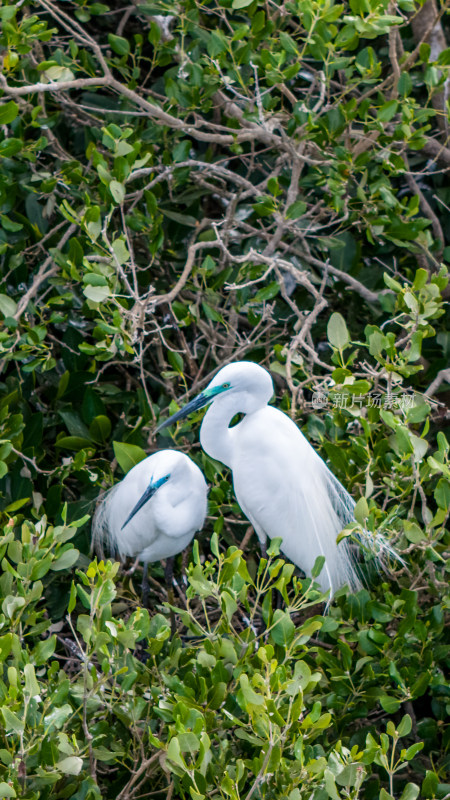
{"points": [[154, 512], [281, 483]]}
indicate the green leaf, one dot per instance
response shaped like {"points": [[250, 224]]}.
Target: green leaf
{"points": [[387, 111], [405, 84], [349, 775], [10, 147], [443, 58], [9, 225], [429, 784], [73, 442], [391, 283], [283, 628], [6, 790], [361, 511], [337, 331], [438, 466], [410, 792], [100, 428], [72, 599], [413, 533], [174, 752], [97, 294], [241, 3], [72, 765], [57, 716], [229, 605], [176, 361], [66, 560], [118, 191], [420, 686], [267, 292], [31, 684], [120, 45], [296, 210], [318, 566], [389, 704], [421, 278], [8, 112], [413, 750], [8, 306], [424, 51], [58, 74], [5, 646], [405, 726], [11, 604], [183, 219], [188, 742], [44, 650], [330, 785], [217, 43], [211, 313], [74, 424], [250, 696], [442, 494], [128, 455], [13, 723], [120, 251], [288, 43]]}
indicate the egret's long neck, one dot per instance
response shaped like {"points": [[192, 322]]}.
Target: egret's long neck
{"points": [[215, 436]]}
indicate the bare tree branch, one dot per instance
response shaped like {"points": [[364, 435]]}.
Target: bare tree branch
{"points": [[443, 376], [45, 271]]}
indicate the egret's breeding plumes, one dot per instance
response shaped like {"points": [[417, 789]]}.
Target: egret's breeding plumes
{"points": [[281, 483], [154, 511]]}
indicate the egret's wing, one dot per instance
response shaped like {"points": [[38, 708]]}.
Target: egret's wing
{"points": [[343, 504], [374, 543], [102, 539], [282, 485], [111, 513]]}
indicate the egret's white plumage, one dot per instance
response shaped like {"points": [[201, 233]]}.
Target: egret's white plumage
{"points": [[281, 483], [154, 512]]}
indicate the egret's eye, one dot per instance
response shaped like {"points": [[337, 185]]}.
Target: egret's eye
{"points": [[225, 385]]}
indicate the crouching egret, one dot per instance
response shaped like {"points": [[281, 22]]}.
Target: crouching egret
{"points": [[281, 483], [153, 512]]}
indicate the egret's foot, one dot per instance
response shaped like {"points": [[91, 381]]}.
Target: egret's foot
{"points": [[145, 588]]}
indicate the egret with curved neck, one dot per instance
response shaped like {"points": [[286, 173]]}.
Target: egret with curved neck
{"points": [[281, 483]]}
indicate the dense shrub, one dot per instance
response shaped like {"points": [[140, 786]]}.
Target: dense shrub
{"points": [[183, 185]]}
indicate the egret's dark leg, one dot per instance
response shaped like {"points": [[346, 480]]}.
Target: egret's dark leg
{"points": [[277, 600], [168, 571], [263, 547], [145, 585], [168, 574]]}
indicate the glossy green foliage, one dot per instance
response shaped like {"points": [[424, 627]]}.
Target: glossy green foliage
{"points": [[222, 707]]}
